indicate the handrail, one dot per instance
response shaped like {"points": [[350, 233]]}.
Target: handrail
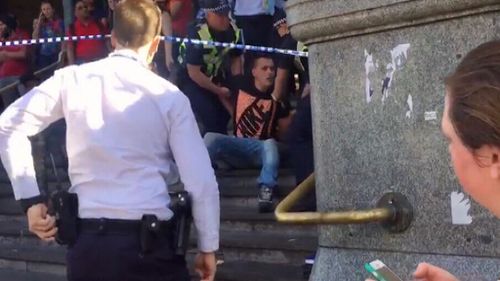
{"points": [[40, 72], [393, 211]]}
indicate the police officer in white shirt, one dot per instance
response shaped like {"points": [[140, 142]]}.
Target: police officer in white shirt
{"points": [[125, 128]]}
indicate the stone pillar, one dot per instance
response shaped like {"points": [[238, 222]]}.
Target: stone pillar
{"points": [[377, 71]]}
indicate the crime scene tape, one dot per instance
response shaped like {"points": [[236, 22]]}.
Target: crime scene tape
{"points": [[27, 42]]}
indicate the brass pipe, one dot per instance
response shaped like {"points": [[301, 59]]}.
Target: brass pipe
{"points": [[345, 217]]}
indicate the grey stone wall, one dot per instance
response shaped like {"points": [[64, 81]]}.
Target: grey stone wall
{"points": [[377, 103]]}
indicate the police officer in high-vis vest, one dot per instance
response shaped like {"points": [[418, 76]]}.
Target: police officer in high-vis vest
{"points": [[288, 66], [128, 131], [209, 68]]}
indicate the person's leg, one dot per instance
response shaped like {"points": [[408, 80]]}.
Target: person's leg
{"points": [[236, 152], [207, 108], [303, 165], [249, 37], [267, 180], [118, 257], [270, 160], [246, 29], [246, 153], [262, 24], [256, 29]]}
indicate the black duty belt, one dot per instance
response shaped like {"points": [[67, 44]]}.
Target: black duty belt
{"points": [[117, 226]]}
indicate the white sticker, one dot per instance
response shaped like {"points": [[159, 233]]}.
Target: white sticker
{"points": [[430, 115], [369, 68], [460, 206], [399, 56], [409, 101]]}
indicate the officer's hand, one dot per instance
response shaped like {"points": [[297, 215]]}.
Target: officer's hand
{"points": [[40, 223], [428, 272], [224, 93], [205, 266]]}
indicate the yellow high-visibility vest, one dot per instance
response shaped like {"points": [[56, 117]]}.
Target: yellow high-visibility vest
{"points": [[212, 59]]}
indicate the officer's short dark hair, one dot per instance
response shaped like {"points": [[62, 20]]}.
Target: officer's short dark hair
{"points": [[136, 22]]}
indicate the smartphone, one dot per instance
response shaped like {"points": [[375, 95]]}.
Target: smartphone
{"points": [[381, 272]]}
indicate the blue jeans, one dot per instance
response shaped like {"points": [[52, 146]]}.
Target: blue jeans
{"points": [[243, 153]]}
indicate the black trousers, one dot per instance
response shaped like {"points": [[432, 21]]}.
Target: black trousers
{"points": [[257, 29], [118, 257], [207, 108]]}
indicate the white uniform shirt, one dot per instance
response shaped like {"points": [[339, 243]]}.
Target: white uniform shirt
{"points": [[125, 127], [253, 7]]}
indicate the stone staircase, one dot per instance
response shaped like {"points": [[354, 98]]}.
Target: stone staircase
{"points": [[253, 246]]}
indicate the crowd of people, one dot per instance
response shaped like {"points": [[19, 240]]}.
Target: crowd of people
{"points": [[244, 101]]}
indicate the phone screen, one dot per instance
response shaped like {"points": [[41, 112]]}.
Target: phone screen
{"points": [[380, 271]]}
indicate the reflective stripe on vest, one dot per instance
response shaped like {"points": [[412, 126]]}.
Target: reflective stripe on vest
{"points": [[212, 60]]}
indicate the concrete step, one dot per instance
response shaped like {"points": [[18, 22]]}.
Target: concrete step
{"points": [[267, 248], [34, 251], [14, 230], [235, 183], [50, 258], [243, 218], [227, 271], [23, 275], [249, 172], [247, 186], [254, 271], [271, 247]]}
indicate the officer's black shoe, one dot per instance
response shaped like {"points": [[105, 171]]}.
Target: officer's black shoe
{"points": [[265, 199]]}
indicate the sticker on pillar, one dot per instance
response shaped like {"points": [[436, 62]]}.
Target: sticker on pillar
{"points": [[369, 68], [460, 207], [399, 55], [409, 101], [430, 115]]}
